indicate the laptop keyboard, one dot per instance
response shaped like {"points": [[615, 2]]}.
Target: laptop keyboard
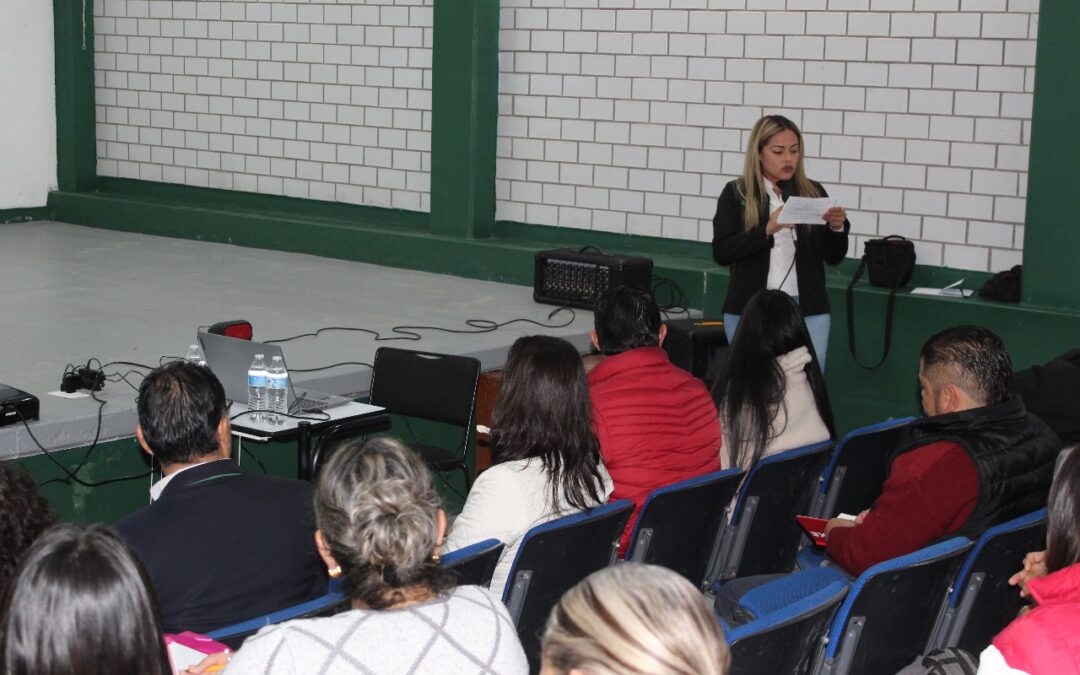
{"points": [[303, 403]]}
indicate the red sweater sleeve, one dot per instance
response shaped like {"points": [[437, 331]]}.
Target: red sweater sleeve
{"points": [[930, 493]]}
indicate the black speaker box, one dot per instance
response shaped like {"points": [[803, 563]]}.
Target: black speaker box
{"points": [[696, 345]]}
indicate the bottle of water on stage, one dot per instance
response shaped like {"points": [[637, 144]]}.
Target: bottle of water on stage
{"points": [[278, 390], [195, 355], [257, 383]]}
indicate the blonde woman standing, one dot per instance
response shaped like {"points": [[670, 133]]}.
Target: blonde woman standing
{"points": [[763, 253], [633, 619]]}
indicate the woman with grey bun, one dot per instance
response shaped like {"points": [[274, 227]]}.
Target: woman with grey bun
{"points": [[380, 526]]}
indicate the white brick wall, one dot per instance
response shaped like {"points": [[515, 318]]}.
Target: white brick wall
{"points": [[308, 99], [630, 115]]}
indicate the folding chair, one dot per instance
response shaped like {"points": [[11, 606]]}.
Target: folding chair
{"points": [[855, 474], [437, 387], [783, 641], [475, 564], [331, 440], [332, 603], [555, 556], [679, 526], [763, 536], [889, 612], [982, 602]]}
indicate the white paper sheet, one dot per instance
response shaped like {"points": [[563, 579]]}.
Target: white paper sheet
{"points": [[805, 210]]}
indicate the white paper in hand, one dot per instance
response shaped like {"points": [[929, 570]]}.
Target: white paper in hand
{"points": [[805, 210]]}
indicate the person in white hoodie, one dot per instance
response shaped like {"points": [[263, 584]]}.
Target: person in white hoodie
{"points": [[770, 393]]}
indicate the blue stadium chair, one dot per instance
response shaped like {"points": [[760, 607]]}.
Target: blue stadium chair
{"points": [[475, 564], [889, 613], [763, 536], [982, 602], [327, 605], [855, 474], [555, 556], [679, 526], [784, 640]]}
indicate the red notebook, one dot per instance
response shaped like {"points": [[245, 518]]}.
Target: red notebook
{"points": [[815, 527]]}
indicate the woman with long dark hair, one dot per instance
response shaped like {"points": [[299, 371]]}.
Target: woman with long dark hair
{"points": [[546, 457], [764, 253], [770, 393], [80, 603], [1047, 638]]}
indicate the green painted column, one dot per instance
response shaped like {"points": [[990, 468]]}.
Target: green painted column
{"points": [[73, 44], [1052, 242], [464, 114]]}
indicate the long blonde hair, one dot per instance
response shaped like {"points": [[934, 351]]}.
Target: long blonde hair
{"points": [[634, 618], [751, 185]]}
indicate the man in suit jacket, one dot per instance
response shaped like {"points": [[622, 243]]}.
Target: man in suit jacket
{"points": [[221, 546]]}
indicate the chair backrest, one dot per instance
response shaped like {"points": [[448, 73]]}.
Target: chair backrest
{"points": [[439, 387], [889, 612], [679, 526], [857, 470], [332, 439], [784, 642], [982, 602], [327, 605], [763, 536], [475, 564], [555, 556]]}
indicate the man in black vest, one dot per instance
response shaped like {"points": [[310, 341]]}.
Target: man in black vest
{"points": [[221, 546], [977, 459]]}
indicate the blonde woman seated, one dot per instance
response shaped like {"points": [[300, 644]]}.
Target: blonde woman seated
{"points": [[547, 459], [379, 527], [770, 393], [631, 618]]}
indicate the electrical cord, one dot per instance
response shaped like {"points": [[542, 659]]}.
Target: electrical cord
{"points": [[72, 474], [410, 333], [332, 365], [677, 300]]}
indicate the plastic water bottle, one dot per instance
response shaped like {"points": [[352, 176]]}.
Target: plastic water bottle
{"points": [[195, 355], [278, 390], [257, 383]]}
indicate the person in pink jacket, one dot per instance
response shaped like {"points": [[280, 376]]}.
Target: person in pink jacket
{"points": [[656, 423], [1046, 639]]}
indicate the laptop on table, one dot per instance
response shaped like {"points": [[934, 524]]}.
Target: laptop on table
{"points": [[230, 359]]}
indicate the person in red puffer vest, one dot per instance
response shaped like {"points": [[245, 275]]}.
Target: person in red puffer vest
{"points": [[1047, 638], [656, 423]]}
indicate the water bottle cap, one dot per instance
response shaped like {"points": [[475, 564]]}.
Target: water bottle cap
{"points": [[277, 358], [258, 356], [193, 346]]}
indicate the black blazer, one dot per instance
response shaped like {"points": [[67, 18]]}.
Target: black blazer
{"points": [[222, 546], [747, 252]]}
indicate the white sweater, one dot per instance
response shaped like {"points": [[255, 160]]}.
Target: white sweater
{"points": [[465, 630], [797, 422], [505, 502]]}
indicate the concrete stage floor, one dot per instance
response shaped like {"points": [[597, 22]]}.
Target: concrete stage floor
{"points": [[74, 293]]}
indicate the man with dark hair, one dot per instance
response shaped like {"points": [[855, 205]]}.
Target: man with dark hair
{"points": [[656, 423], [976, 459], [221, 546]]}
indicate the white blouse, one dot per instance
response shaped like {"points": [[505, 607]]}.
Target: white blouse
{"points": [[782, 273]]}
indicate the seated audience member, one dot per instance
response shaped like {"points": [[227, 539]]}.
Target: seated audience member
{"points": [[379, 528], [976, 459], [630, 618], [24, 515], [80, 603], [656, 423], [547, 463], [221, 546], [770, 392], [1047, 638]]}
